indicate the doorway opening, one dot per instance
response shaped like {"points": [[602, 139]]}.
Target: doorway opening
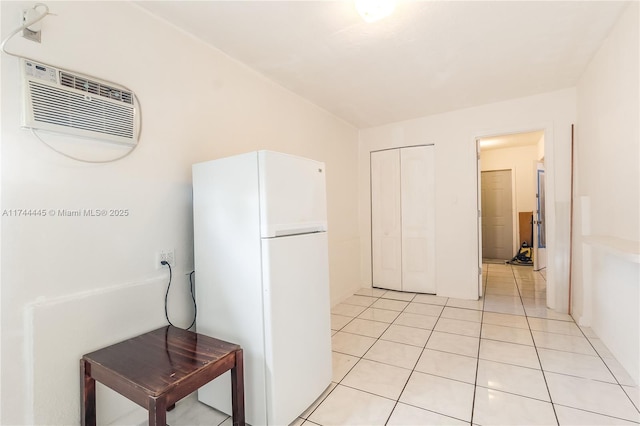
{"points": [[510, 203]]}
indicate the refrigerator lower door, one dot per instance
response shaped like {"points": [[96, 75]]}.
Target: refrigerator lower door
{"points": [[297, 323]]}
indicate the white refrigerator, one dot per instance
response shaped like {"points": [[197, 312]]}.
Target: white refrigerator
{"points": [[262, 279]]}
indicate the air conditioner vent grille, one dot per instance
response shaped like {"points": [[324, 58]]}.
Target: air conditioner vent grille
{"points": [[84, 112], [79, 83], [69, 103]]}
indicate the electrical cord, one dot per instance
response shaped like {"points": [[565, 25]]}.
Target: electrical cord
{"points": [[166, 297], [111, 160], [15, 55], [193, 297]]}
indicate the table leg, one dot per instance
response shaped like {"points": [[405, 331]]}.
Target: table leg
{"points": [[88, 395], [237, 390], [157, 411]]}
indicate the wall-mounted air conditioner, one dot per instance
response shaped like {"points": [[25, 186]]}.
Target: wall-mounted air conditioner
{"points": [[70, 103]]}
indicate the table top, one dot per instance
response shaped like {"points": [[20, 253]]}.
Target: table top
{"points": [[159, 359]]}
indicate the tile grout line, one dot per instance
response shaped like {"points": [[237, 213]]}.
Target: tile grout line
{"points": [[397, 400], [608, 368], [475, 381], [354, 364], [570, 375], [535, 346], [368, 349], [412, 370], [417, 361]]}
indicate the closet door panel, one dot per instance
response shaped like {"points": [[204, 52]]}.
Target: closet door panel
{"points": [[418, 224], [386, 224]]}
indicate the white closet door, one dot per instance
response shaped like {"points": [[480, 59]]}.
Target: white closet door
{"points": [[418, 224], [386, 228]]}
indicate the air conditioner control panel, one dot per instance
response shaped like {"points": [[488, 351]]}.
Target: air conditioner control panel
{"points": [[41, 72]]}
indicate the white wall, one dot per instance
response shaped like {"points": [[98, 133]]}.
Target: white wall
{"points": [[454, 135], [71, 285], [521, 161], [607, 197]]}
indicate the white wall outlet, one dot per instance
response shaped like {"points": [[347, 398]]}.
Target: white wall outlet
{"points": [[33, 32], [167, 255]]}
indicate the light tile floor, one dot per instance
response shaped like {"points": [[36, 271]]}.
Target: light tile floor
{"points": [[414, 359]]}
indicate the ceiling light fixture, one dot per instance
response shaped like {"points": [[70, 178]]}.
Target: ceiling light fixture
{"points": [[374, 10]]}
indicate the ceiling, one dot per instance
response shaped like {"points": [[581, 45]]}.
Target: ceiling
{"points": [[426, 58], [511, 141]]}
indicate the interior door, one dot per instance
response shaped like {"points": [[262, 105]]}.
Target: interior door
{"points": [[497, 215], [418, 222], [386, 230], [539, 232]]}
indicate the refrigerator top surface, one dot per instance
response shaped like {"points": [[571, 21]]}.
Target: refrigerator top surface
{"points": [[263, 153]]}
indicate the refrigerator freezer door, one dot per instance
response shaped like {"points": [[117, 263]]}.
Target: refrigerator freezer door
{"points": [[292, 195], [297, 323]]}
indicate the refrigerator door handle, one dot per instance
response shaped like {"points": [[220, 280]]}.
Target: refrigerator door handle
{"points": [[299, 231]]}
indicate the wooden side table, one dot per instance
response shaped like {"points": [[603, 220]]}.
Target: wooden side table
{"points": [[157, 369]]}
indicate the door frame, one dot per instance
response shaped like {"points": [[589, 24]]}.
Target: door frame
{"points": [[479, 216], [554, 285], [539, 252]]}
